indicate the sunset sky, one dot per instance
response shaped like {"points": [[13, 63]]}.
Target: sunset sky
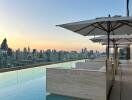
{"points": [[32, 22]]}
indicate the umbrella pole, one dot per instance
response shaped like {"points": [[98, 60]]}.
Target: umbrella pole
{"points": [[115, 54], [108, 27], [108, 50]]}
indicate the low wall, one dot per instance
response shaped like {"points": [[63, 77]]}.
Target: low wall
{"points": [[81, 83], [77, 83], [91, 65], [103, 59]]}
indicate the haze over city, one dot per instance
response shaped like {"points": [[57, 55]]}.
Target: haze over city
{"points": [[32, 22]]}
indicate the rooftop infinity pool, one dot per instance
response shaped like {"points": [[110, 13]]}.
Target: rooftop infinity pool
{"points": [[29, 84]]}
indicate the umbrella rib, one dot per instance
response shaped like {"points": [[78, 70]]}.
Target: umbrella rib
{"points": [[114, 28], [91, 31], [111, 40], [99, 28], [128, 40], [103, 28], [82, 28], [118, 39], [126, 23], [116, 24]]}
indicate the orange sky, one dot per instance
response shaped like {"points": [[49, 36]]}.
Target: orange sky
{"points": [[60, 39], [16, 41]]}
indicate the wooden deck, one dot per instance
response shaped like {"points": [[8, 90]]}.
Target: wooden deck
{"points": [[122, 88]]}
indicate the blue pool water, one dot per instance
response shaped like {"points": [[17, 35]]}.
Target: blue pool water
{"points": [[28, 84]]}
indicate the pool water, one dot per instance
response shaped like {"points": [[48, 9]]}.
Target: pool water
{"points": [[29, 84]]}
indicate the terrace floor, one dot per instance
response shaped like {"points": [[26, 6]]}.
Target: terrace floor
{"points": [[122, 88]]}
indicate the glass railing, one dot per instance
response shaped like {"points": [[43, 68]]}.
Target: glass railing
{"points": [[29, 84]]}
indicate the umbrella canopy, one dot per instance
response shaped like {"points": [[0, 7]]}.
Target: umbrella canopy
{"points": [[115, 38], [120, 46], [102, 26], [99, 26], [118, 43]]}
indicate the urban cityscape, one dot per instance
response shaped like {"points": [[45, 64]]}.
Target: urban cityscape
{"points": [[16, 58], [65, 49]]}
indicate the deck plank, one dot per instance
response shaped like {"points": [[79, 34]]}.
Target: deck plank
{"points": [[122, 89], [115, 91], [126, 90]]}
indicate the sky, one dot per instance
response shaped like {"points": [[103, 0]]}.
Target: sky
{"points": [[32, 22]]}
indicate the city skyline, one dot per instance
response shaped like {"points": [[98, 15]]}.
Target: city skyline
{"points": [[32, 23], [10, 58]]}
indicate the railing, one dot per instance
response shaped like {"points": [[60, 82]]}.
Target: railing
{"points": [[20, 84]]}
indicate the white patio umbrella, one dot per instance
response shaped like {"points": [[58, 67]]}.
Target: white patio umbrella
{"points": [[120, 46], [117, 43], [102, 26], [113, 38]]}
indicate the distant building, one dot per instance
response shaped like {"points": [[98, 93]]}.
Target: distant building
{"points": [[4, 45]]}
